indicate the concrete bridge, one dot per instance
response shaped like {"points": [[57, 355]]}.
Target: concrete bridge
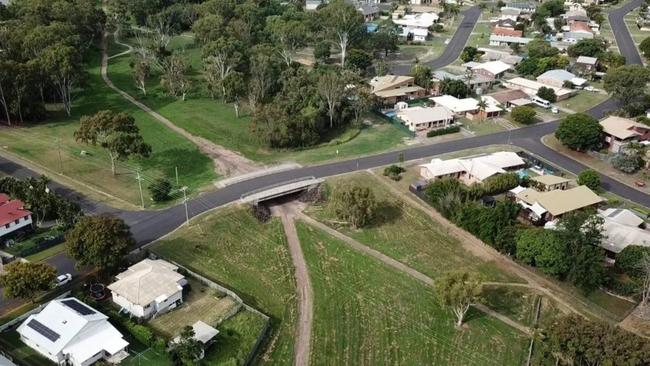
{"points": [[280, 190]]}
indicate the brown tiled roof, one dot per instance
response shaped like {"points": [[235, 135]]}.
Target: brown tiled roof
{"points": [[507, 32], [508, 95]]}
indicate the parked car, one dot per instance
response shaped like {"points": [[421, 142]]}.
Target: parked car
{"points": [[63, 279], [555, 110], [591, 89]]}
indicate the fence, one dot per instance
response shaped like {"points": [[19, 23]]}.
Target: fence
{"points": [[213, 285], [10, 324], [395, 122]]}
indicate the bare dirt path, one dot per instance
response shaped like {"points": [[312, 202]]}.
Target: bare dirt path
{"points": [[406, 269], [227, 162], [302, 346]]}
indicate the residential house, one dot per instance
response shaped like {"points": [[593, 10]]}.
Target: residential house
{"points": [[312, 5], [575, 37], [148, 287], [621, 131], [558, 77], [498, 31], [546, 206], [531, 87], [580, 27], [523, 7], [203, 333], [492, 69], [69, 332], [496, 40], [425, 2], [548, 182], [506, 56], [512, 98], [416, 25], [472, 169], [419, 119], [478, 83], [468, 107], [13, 216], [622, 228], [506, 23], [369, 11], [585, 65], [391, 89]]}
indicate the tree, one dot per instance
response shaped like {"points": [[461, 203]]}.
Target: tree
{"points": [[358, 59], [629, 260], [361, 101], [343, 24], [115, 132], [174, 78], [627, 83], [469, 54], [26, 279], [645, 279], [187, 350], [589, 178], [459, 290], [482, 106], [322, 52], [64, 68], [331, 88], [644, 47], [547, 93], [457, 88], [626, 162], [264, 72], [355, 204], [580, 132], [234, 88], [523, 114], [289, 35], [101, 241], [160, 189], [141, 72], [543, 249], [423, 76], [385, 40], [593, 47], [221, 57]]}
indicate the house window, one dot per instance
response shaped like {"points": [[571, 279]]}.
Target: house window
{"points": [[7, 226], [17, 221]]}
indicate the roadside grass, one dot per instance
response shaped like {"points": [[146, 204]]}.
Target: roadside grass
{"points": [[582, 101], [212, 119], [408, 235], [231, 247], [43, 143], [480, 36], [637, 35], [366, 313], [47, 253], [487, 126], [519, 304], [200, 303], [20, 352]]}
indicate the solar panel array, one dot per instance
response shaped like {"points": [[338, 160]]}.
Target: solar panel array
{"points": [[43, 330], [78, 307]]}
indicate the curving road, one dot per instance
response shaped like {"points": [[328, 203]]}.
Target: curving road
{"points": [[148, 226]]}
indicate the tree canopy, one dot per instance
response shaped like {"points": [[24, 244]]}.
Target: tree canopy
{"points": [[355, 204], [590, 178], [523, 114], [580, 132], [627, 83], [25, 280], [458, 290]]}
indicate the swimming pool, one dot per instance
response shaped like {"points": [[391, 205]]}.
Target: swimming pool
{"points": [[390, 114]]}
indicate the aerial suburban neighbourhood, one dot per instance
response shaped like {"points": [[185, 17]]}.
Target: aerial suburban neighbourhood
{"points": [[324, 182]]}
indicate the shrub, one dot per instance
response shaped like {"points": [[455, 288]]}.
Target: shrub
{"points": [[394, 172], [500, 183], [523, 114], [629, 260], [160, 190], [261, 212], [443, 131], [355, 204], [589, 178], [627, 163], [547, 93], [140, 332], [580, 132]]}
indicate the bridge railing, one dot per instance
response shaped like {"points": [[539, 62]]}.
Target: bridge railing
{"points": [[280, 184]]}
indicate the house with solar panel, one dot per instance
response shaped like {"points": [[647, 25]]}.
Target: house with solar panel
{"points": [[69, 332]]}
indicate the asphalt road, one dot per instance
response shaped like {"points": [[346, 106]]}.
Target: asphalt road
{"points": [[151, 225]]}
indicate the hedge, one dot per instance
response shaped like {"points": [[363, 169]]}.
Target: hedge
{"points": [[443, 131]]}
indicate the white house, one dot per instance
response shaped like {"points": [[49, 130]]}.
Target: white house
{"points": [[13, 215], [621, 228], [531, 87], [148, 288], [417, 25], [472, 170], [558, 77], [468, 107], [497, 40], [425, 118], [69, 332], [493, 69]]}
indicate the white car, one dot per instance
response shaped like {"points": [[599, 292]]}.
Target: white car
{"points": [[591, 89], [555, 110], [63, 279]]}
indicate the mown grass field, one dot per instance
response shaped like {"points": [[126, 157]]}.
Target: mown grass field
{"points": [[368, 314], [408, 235], [252, 259], [217, 122], [41, 143]]}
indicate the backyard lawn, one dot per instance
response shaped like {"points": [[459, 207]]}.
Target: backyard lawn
{"points": [[217, 122], [408, 235], [583, 100], [230, 247], [43, 143], [236, 339], [366, 313]]}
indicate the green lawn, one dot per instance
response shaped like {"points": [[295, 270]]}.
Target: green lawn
{"points": [[369, 314], [216, 121], [236, 339], [252, 259], [47, 253], [484, 127], [42, 143], [23, 355], [516, 303], [409, 235], [582, 101]]}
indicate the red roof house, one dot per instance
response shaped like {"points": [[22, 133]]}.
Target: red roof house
{"points": [[13, 215], [507, 32]]}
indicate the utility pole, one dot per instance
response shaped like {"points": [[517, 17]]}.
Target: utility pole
{"points": [[187, 215], [58, 147], [140, 186]]}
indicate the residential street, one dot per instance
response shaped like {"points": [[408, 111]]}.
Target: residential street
{"points": [[148, 226]]}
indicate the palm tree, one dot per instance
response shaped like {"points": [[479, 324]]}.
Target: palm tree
{"points": [[482, 106]]}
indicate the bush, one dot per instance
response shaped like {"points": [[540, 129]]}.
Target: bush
{"points": [[500, 183], [355, 204], [160, 190], [523, 114], [261, 212], [627, 163], [547, 93], [589, 178], [140, 332], [443, 131], [394, 172], [628, 260], [580, 132]]}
